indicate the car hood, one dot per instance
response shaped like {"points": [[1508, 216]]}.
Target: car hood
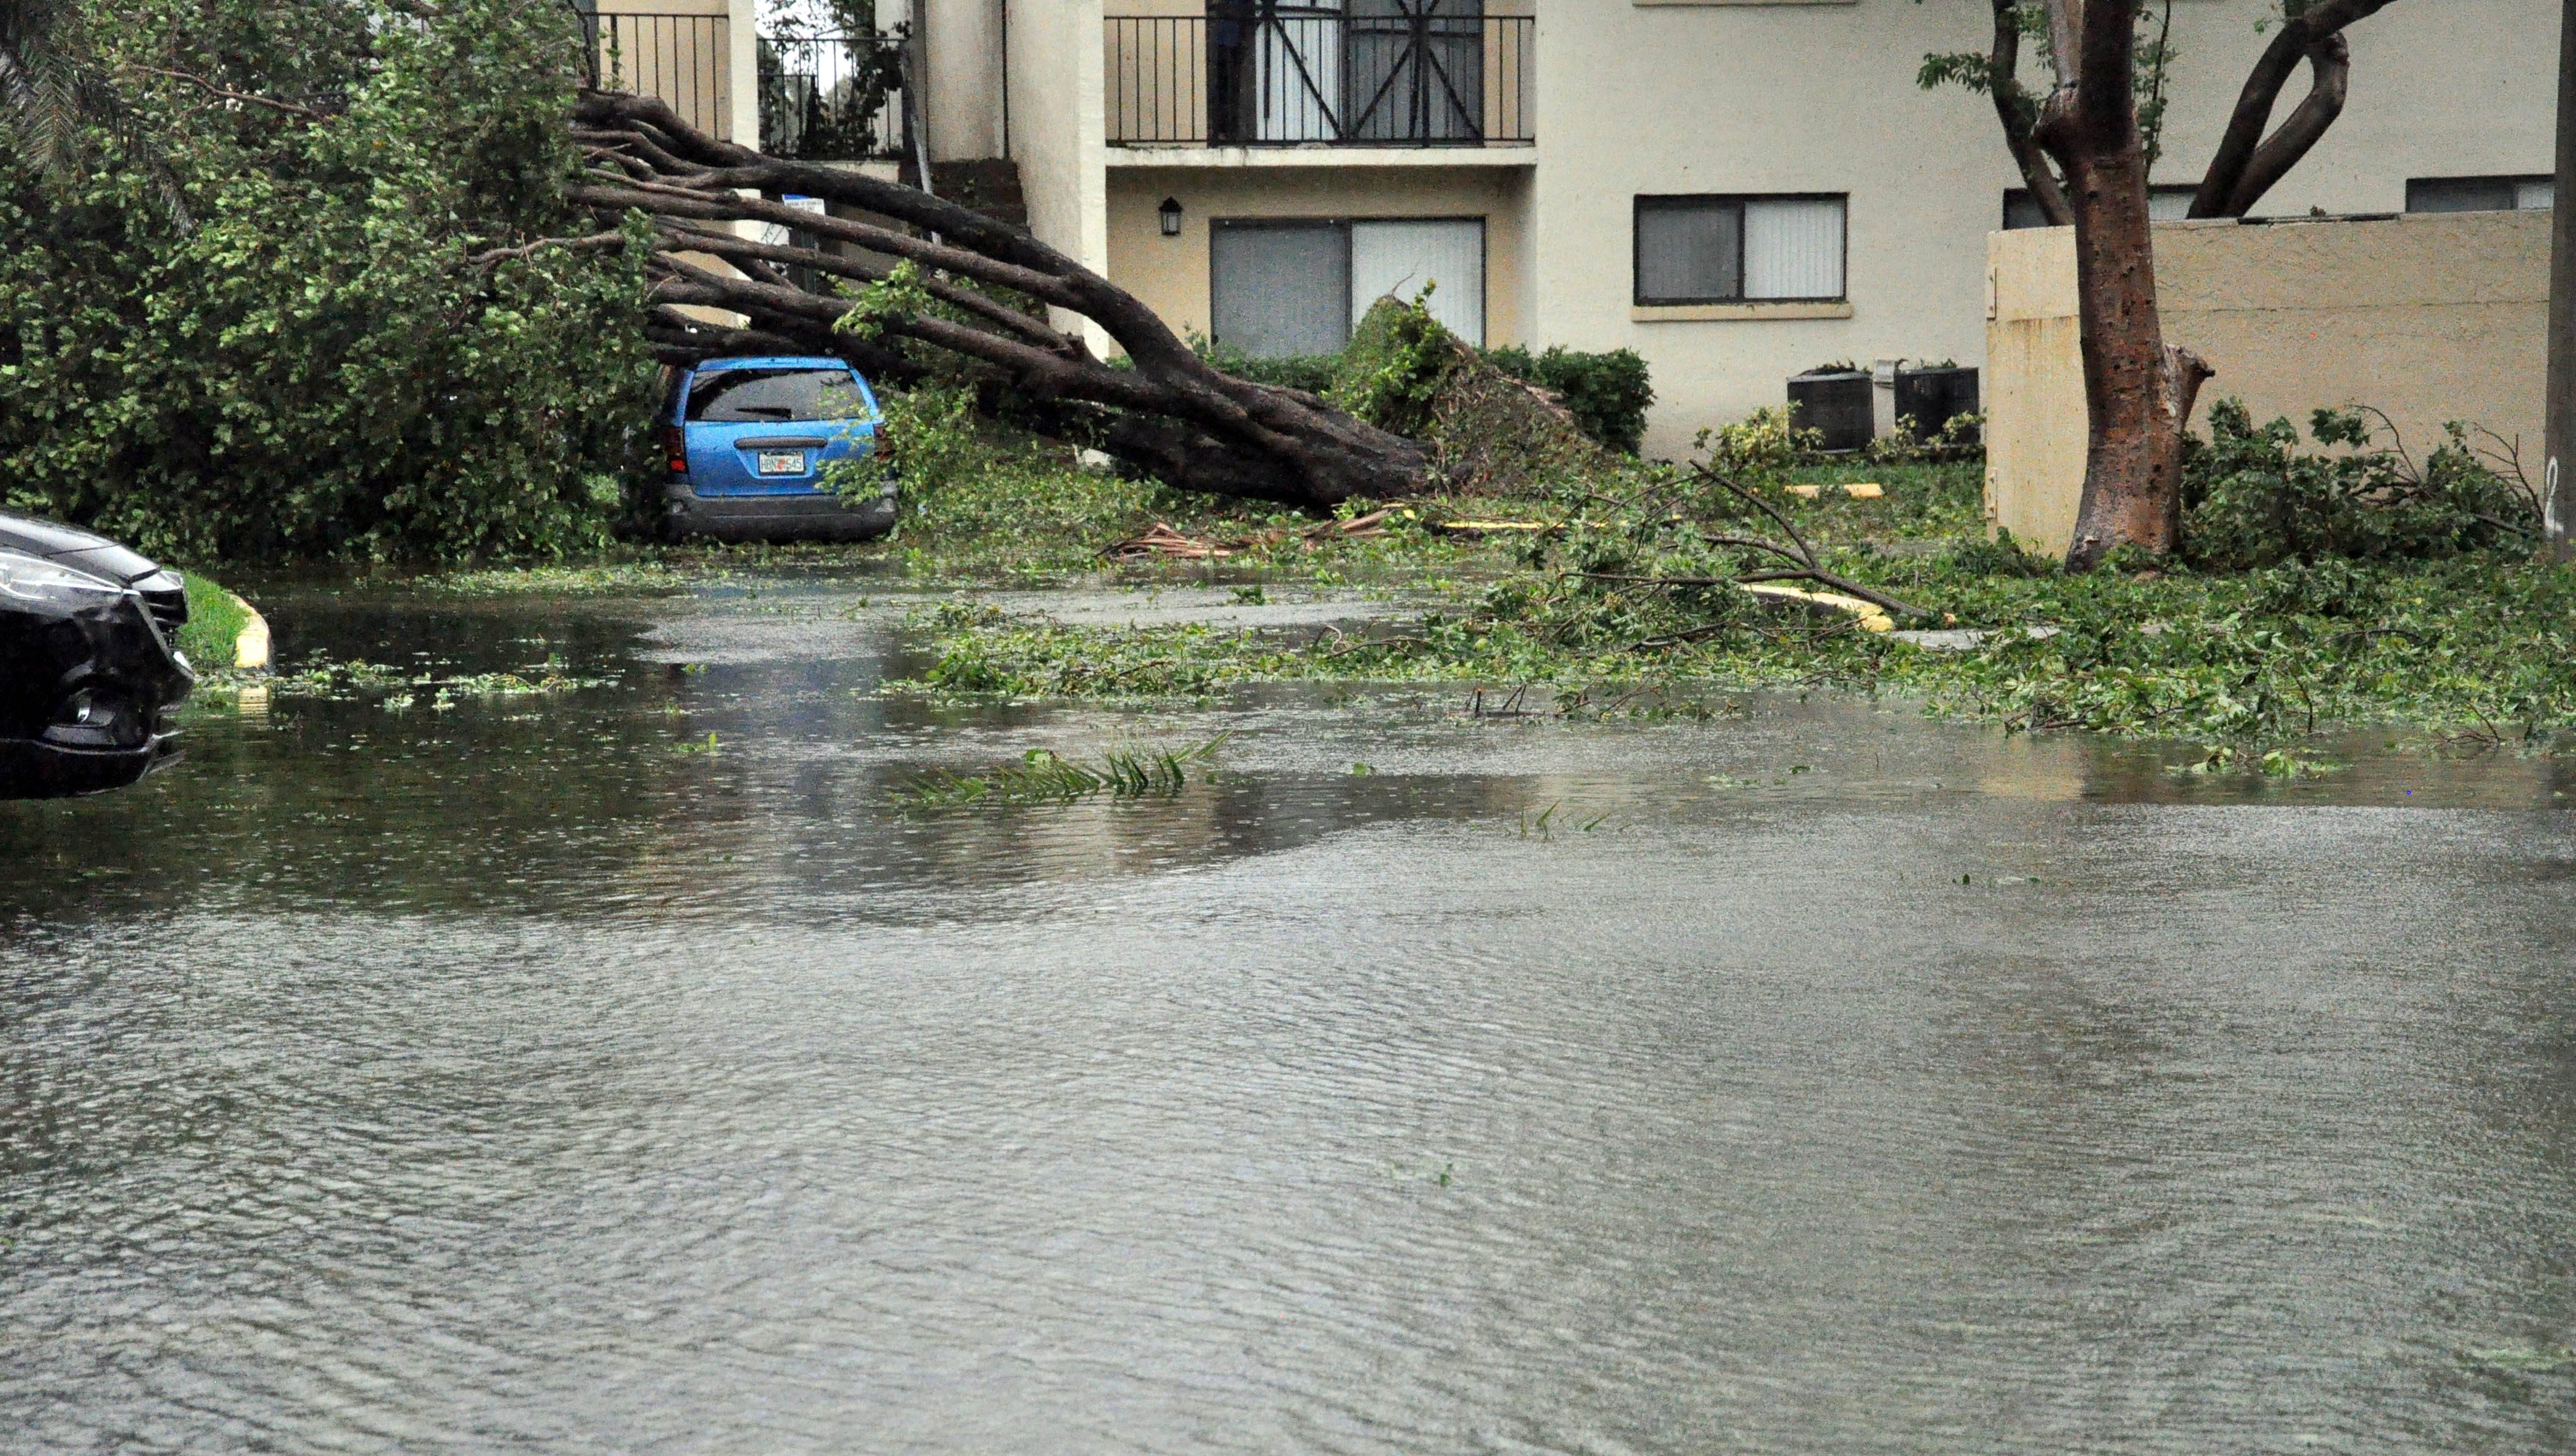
{"points": [[94, 555]]}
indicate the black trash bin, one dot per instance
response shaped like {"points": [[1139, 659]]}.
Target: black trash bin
{"points": [[1927, 400], [1836, 404]]}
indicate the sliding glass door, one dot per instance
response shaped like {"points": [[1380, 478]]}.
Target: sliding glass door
{"points": [[1285, 288]]}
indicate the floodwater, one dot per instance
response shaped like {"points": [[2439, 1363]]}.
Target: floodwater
{"points": [[510, 1077]]}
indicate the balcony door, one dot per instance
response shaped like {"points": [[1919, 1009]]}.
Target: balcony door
{"points": [[1415, 71], [1392, 71], [1275, 70], [1280, 287]]}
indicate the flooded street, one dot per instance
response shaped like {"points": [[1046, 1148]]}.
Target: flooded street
{"points": [[527, 1074]]}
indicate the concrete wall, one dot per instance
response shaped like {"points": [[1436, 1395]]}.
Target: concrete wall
{"points": [[1171, 274], [965, 82], [1820, 97], [2430, 318], [1059, 131]]}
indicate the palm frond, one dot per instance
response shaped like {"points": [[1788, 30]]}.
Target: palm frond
{"points": [[52, 92]]}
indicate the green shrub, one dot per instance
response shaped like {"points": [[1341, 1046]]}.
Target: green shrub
{"points": [[1608, 394], [2252, 500], [1762, 444], [931, 439], [1312, 373]]}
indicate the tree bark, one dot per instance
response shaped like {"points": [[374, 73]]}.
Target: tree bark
{"points": [[2138, 392], [1169, 413], [2019, 113], [2248, 164]]}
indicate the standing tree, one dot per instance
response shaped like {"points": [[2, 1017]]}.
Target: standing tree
{"points": [[2085, 156]]}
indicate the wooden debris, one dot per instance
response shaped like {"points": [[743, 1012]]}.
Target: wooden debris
{"points": [[1165, 544], [1495, 528]]}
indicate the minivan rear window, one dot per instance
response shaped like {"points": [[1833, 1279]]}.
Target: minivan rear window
{"points": [[771, 396]]}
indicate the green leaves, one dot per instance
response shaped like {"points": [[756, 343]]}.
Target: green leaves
{"points": [[316, 369], [2252, 500], [902, 294], [1607, 393]]}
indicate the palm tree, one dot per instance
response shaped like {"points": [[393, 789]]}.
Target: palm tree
{"points": [[52, 91]]}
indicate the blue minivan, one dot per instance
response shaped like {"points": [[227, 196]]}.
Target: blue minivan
{"points": [[748, 440]]}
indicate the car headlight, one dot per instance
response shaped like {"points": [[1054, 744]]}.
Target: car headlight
{"points": [[34, 578]]}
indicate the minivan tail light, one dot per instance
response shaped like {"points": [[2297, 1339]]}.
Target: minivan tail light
{"points": [[676, 442]]}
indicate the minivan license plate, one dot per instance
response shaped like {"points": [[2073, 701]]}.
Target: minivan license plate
{"points": [[782, 462]]}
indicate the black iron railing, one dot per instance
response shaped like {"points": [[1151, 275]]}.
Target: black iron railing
{"points": [[1382, 73], [830, 98], [680, 58]]}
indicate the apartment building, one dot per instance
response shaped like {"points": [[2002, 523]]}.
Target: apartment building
{"points": [[1735, 189]]}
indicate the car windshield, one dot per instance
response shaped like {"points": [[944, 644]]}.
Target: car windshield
{"points": [[753, 396]]}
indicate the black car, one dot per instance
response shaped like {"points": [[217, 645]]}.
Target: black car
{"points": [[90, 666]]}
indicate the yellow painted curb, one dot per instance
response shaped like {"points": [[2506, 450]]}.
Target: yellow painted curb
{"points": [[250, 647], [1872, 617]]}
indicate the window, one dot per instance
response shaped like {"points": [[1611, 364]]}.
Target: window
{"points": [[2164, 204], [2480, 194], [746, 396], [1740, 249], [1280, 289]]}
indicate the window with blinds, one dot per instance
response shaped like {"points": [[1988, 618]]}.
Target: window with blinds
{"points": [[1724, 249]]}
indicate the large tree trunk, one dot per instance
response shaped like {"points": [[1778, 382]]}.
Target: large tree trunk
{"points": [[987, 284], [2138, 391]]}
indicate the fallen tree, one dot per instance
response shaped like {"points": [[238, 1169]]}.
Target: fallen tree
{"points": [[941, 281]]}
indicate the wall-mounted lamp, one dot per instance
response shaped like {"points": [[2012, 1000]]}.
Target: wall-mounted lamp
{"points": [[1170, 212]]}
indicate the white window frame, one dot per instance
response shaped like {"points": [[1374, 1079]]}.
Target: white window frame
{"points": [[2520, 184]]}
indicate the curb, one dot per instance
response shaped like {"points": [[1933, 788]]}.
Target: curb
{"points": [[250, 647]]}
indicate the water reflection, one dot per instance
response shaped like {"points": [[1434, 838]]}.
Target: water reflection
{"points": [[508, 1076]]}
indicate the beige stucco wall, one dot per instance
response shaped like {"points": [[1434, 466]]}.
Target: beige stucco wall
{"points": [[965, 48], [2430, 318], [1059, 131], [1637, 98], [1171, 274], [1671, 98]]}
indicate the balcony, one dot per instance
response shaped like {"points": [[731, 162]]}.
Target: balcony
{"points": [[1383, 73], [680, 58], [833, 98]]}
